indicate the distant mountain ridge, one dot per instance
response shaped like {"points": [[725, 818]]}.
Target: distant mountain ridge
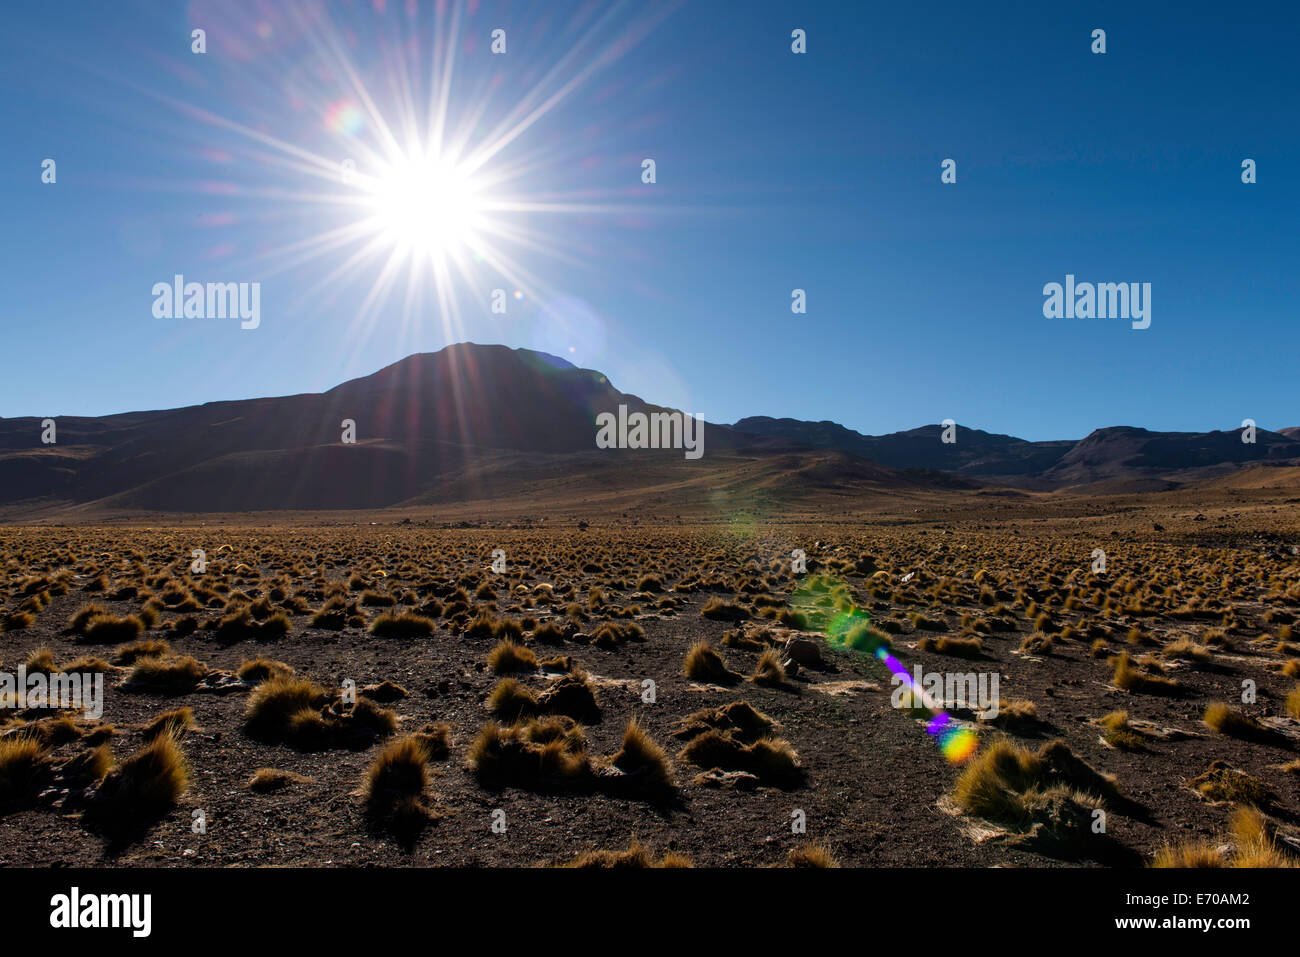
{"points": [[975, 453], [471, 422], [1113, 454]]}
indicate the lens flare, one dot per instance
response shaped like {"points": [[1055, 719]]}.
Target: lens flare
{"points": [[956, 743], [430, 178], [343, 116], [828, 606]]}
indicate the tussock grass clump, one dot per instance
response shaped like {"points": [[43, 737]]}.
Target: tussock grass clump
{"points": [[1007, 784], [273, 627], [792, 618], [645, 766], [921, 623], [1250, 842], [769, 671], [334, 616], [572, 695], [1064, 766], [407, 624], [431, 608], [168, 676], [635, 857], [1060, 817], [148, 648], [35, 603], [394, 787], [85, 768], [1013, 715], [339, 725], [702, 663], [1293, 702], [1036, 644], [539, 754], [737, 638], [1255, 843], [22, 768], [548, 634], [953, 647], [993, 784], [511, 699], [771, 760], [377, 599], [78, 622], [175, 723], [1128, 678], [242, 624], [99, 734], [1229, 721], [148, 782], [811, 855], [738, 720], [277, 699], [611, 634], [1184, 649], [236, 624], [87, 663], [509, 655], [1136, 636], [384, 691], [18, 620], [860, 637], [508, 629], [48, 732], [109, 628], [268, 780], [257, 670], [715, 609], [556, 665], [178, 597], [435, 739], [41, 660], [1222, 783], [1118, 733], [484, 625]]}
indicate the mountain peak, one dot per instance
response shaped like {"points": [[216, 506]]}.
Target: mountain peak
{"points": [[472, 419]]}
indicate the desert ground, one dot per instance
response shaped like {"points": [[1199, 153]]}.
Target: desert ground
{"points": [[645, 688]]}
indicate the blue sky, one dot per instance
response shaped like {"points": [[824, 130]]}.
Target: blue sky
{"points": [[775, 171]]}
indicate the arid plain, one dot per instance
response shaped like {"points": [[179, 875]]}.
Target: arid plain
{"points": [[611, 686]]}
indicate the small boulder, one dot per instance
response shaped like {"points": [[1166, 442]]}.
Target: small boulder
{"points": [[804, 650]]}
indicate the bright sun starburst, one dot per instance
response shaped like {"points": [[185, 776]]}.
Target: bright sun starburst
{"points": [[426, 207], [422, 185]]}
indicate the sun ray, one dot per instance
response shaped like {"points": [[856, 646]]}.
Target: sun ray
{"points": [[426, 179]]}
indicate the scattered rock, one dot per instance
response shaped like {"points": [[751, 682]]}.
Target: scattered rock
{"points": [[730, 780], [805, 651]]}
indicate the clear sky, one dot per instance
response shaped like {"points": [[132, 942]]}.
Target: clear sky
{"points": [[775, 171]]}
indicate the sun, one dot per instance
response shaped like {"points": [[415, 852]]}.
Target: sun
{"points": [[446, 185], [426, 206]]}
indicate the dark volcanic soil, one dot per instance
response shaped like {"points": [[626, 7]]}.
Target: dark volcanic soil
{"points": [[873, 777]]}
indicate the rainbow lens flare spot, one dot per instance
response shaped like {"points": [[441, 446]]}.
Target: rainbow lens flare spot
{"points": [[343, 116], [958, 745]]}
